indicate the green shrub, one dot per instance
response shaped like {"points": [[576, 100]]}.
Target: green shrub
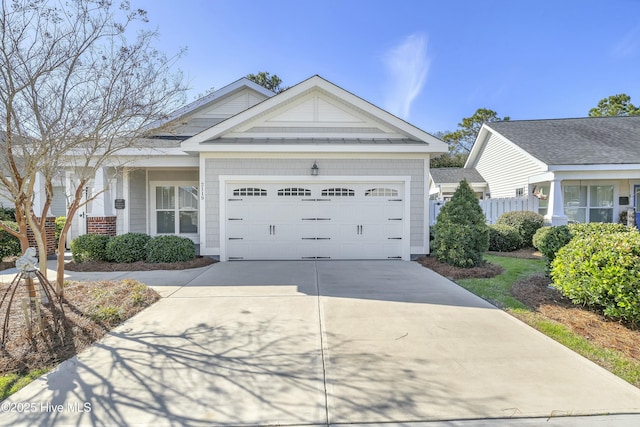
{"points": [[9, 244], [60, 221], [461, 234], [170, 249], [549, 239], [127, 248], [7, 214], [107, 314], [601, 271], [526, 222], [597, 229], [504, 238], [90, 247]]}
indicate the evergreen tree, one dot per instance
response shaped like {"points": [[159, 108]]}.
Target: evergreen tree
{"points": [[461, 232]]}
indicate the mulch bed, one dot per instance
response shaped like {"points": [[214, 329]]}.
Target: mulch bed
{"points": [[485, 271], [87, 321], [137, 266]]}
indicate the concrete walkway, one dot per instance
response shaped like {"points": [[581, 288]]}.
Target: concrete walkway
{"points": [[320, 343]]}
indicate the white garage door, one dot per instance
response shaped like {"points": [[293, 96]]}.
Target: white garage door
{"points": [[315, 220]]}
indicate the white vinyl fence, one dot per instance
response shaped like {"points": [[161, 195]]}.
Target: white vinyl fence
{"points": [[492, 208]]}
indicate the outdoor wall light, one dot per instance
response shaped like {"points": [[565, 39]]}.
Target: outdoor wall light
{"points": [[315, 169]]}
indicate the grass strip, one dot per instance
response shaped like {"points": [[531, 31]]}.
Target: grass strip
{"points": [[11, 383]]}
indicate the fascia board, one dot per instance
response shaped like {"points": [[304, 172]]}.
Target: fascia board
{"points": [[478, 144], [595, 167], [328, 148]]}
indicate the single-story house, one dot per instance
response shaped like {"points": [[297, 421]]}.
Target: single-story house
{"points": [[443, 182], [313, 172], [582, 169]]}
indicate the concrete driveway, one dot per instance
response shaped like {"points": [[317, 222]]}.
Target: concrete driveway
{"points": [[318, 343]]}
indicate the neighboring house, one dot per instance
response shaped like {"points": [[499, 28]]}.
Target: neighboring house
{"points": [[582, 170], [445, 181], [313, 172]]}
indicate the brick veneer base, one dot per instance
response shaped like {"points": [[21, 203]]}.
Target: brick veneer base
{"points": [[101, 225], [50, 232]]}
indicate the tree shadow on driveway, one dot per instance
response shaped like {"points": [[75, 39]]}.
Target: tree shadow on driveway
{"points": [[236, 374]]}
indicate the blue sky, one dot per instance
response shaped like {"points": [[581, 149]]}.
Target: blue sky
{"points": [[430, 62]]}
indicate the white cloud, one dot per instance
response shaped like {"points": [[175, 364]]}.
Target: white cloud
{"points": [[629, 45], [407, 64]]}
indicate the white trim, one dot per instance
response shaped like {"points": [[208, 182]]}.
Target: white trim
{"points": [[226, 179], [202, 178], [148, 200], [314, 155], [152, 223], [317, 148], [427, 210], [126, 215], [599, 167]]}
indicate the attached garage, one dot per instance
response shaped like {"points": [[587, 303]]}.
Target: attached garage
{"points": [[312, 173], [331, 219]]}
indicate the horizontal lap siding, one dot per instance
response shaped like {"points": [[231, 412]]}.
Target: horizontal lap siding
{"points": [[328, 167], [138, 201], [505, 167]]}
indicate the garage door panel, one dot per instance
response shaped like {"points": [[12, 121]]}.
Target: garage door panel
{"points": [[315, 221]]}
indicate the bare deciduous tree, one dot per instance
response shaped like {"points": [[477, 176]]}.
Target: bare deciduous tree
{"points": [[76, 89]]}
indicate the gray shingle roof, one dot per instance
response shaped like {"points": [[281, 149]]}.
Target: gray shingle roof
{"points": [[583, 141], [455, 175]]}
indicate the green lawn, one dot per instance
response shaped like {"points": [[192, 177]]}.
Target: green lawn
{"points": [[11, 383], [497, 291]]}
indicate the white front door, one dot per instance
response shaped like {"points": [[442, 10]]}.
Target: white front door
{"points": [[310, 220]]}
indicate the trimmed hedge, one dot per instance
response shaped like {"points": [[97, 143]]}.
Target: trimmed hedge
{"points": [[170, 249], [526, 222], [504, 238], [550, 239], [603, 272], [9, 244], [128, 248], [90, 247], [461, 233]]}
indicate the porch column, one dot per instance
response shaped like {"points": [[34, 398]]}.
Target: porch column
{"points": [[100, 205], [102, 220], [39, 200], [39, 195], [555, 213]]}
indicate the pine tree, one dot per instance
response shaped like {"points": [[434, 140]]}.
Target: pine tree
{"points": [[461, 232]]}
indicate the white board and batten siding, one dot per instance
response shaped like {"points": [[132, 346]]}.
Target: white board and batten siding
{"points": [[506, 167]]}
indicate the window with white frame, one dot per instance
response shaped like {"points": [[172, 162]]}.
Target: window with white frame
{"points": [[176, 209], [589, 203]]}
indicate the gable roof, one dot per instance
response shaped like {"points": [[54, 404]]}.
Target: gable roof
{"points": [[204, 102], [455, 175], [316, 112], [580, 141]]}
